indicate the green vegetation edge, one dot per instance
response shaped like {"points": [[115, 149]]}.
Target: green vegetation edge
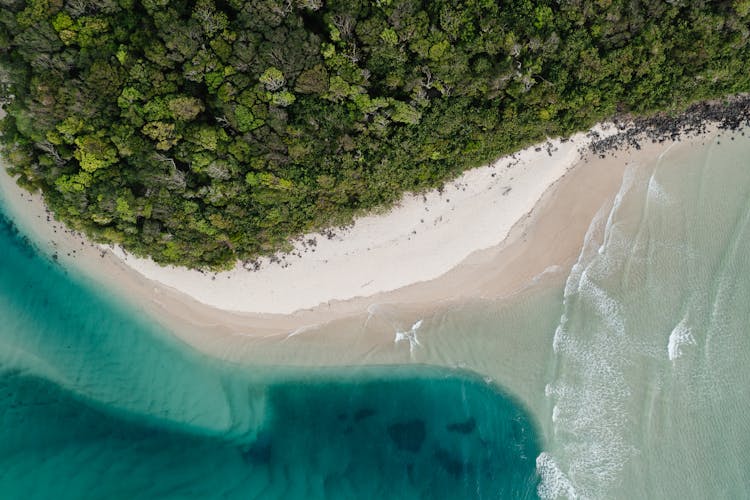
{"points": [[205, 132]]}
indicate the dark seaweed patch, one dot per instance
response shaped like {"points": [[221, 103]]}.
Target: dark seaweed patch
{"points": [[363, 414], [408, 436], [451, 464]]}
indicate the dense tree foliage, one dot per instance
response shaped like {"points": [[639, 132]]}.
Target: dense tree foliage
{"points": [[204, 131]]}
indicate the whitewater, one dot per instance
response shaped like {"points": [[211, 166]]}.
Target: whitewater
{"points": [[647, 397]]}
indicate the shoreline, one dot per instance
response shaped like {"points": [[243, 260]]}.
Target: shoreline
{"points": [[541, 244], [419, 240], [429, 234], [474, 214]]}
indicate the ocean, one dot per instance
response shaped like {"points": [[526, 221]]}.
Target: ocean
{"points": [[98, 401], [623, 377]]}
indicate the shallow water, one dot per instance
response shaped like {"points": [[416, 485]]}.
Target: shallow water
{"points": [[97, 402], [652, 354], [624, 378]]}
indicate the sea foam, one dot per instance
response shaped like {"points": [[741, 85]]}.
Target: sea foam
{"points": [[681, 336], [410, 336], [554, 483], [590, 391]]}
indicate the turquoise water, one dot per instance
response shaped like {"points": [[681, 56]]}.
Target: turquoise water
{"points": [[626, 378], [97, 402]]}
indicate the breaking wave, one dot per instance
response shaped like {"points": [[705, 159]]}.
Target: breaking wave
{"points": [[589, 394]]}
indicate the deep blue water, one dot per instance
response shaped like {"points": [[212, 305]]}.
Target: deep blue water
{"points": [[98, 401]]}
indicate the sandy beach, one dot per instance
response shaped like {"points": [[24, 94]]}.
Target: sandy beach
{"points": [[487, 235], [420, 239]]}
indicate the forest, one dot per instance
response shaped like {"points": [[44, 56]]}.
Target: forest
{"points": [[205, 132]]}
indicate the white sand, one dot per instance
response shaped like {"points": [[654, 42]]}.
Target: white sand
{"points": [[544, 216], [421, 239]]}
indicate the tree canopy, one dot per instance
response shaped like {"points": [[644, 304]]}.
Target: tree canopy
{"points": [[203, 132]]}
